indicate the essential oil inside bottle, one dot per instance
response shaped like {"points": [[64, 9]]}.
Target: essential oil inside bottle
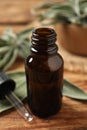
{"points": [[44, 74]]}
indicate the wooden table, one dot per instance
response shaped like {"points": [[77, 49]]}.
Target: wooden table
{"points": [[73, 115]]}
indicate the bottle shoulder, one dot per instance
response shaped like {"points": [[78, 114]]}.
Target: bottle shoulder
{"points": [[45, 63]]}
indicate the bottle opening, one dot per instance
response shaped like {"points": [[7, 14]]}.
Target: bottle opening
{"points": [[44, 34], [48, 32]]}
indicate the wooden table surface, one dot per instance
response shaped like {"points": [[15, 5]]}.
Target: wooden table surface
{"points": [[73, 115]]}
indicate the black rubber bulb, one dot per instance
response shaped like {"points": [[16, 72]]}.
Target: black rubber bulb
{"points": [[6, 84]]}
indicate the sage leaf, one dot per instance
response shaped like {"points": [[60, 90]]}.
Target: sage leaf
{"points": [[72, 91], [24, 48], [20, 79], [44, 5], [4, 49], [12, 59], [72, 10], [6, 58], [24, 34], [13, 45]]}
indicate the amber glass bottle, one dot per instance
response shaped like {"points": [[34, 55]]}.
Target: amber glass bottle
{"points": [[44, 74]]}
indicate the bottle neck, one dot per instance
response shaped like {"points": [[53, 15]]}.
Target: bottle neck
{"points": [[43, 41]]}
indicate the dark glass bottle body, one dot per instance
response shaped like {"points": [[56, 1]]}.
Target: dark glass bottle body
{"points": [[44, 74]]}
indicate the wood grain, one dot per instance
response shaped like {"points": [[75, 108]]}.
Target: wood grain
{"points": [[73, 115]]}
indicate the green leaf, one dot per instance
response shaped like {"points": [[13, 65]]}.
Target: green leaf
{"points": [[13, 45], [63, 7], [44, 5], [76, 7], [4, 49], [72, 10], [24, 48], [11, 59], [6, 58], [69, 90], [24, 34], [72, 91], [50, 14], [8, 36]]}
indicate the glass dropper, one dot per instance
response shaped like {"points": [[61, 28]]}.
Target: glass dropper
{"points": [[17, 103], [7, 86]]}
